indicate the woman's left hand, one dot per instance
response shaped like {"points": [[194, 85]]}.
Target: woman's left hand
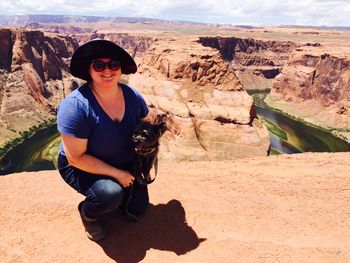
{"points": [[125, 178]]}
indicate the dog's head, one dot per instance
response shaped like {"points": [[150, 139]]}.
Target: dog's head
{"points": [[146, 136]]}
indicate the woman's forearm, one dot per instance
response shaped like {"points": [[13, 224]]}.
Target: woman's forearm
{"points": [[91, 164], [75, 150]]}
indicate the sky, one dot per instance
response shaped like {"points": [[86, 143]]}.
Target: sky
{"points": [[234, 12]]}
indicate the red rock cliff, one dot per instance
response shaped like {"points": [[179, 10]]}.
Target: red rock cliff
{"points": [[34, 77]]}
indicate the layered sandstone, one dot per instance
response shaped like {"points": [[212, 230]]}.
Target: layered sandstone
{"points": [[315, 85], [200, 92]]}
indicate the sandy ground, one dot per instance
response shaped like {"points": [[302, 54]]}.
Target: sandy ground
{"points": [[291, 208]]}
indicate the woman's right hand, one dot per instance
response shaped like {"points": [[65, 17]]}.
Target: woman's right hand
{"points": [[125, 178]]}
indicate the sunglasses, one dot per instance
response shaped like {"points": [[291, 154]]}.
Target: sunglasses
{"points": [[99, 65]]}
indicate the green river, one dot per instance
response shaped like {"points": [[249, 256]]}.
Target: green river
{"points": [[39, 152]]}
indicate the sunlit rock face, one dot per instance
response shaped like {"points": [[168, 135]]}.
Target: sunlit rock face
{"points": [[204, 99]]}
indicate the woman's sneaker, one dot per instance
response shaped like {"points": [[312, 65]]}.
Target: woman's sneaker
{"points": [[93, 229]]}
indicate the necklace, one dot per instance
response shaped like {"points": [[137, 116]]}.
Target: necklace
{"points": [[105, 106]]}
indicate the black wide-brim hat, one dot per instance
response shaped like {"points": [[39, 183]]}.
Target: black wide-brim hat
{"points": [[99, 48]]}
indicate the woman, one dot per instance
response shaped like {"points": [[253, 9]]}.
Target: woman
{"points": [[96, 122]]}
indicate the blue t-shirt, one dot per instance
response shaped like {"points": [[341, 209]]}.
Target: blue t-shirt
{"points": [[80, 115]]}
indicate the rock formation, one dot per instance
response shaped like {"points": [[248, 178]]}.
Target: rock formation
{"points": [[198, 88]]}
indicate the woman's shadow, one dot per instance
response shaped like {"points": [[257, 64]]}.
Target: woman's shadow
{"points": [[163, 227]]}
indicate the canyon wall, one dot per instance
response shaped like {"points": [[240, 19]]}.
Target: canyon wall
{"points": [[315, 85], [256, 62], [33, 76]]}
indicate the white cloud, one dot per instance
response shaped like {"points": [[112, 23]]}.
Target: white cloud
{"points": [[254, 12]]}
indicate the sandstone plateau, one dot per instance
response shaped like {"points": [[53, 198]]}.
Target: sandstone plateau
{"points": [[287, 208]]}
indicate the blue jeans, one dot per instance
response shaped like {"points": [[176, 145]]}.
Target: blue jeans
{"points": [[103, 194]]}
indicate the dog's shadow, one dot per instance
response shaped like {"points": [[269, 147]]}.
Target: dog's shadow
{"points": [[163, 227]]}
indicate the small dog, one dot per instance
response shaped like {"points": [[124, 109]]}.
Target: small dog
{"points": [[146, 144]]}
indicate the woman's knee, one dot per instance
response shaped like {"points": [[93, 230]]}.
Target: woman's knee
{"points": [[108, 193]]}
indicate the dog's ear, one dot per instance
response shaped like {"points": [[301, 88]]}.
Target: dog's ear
{"points": [[161, 118], [162, 128]]}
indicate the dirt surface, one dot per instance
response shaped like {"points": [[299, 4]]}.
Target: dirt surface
{"points": [[290, 208]]}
